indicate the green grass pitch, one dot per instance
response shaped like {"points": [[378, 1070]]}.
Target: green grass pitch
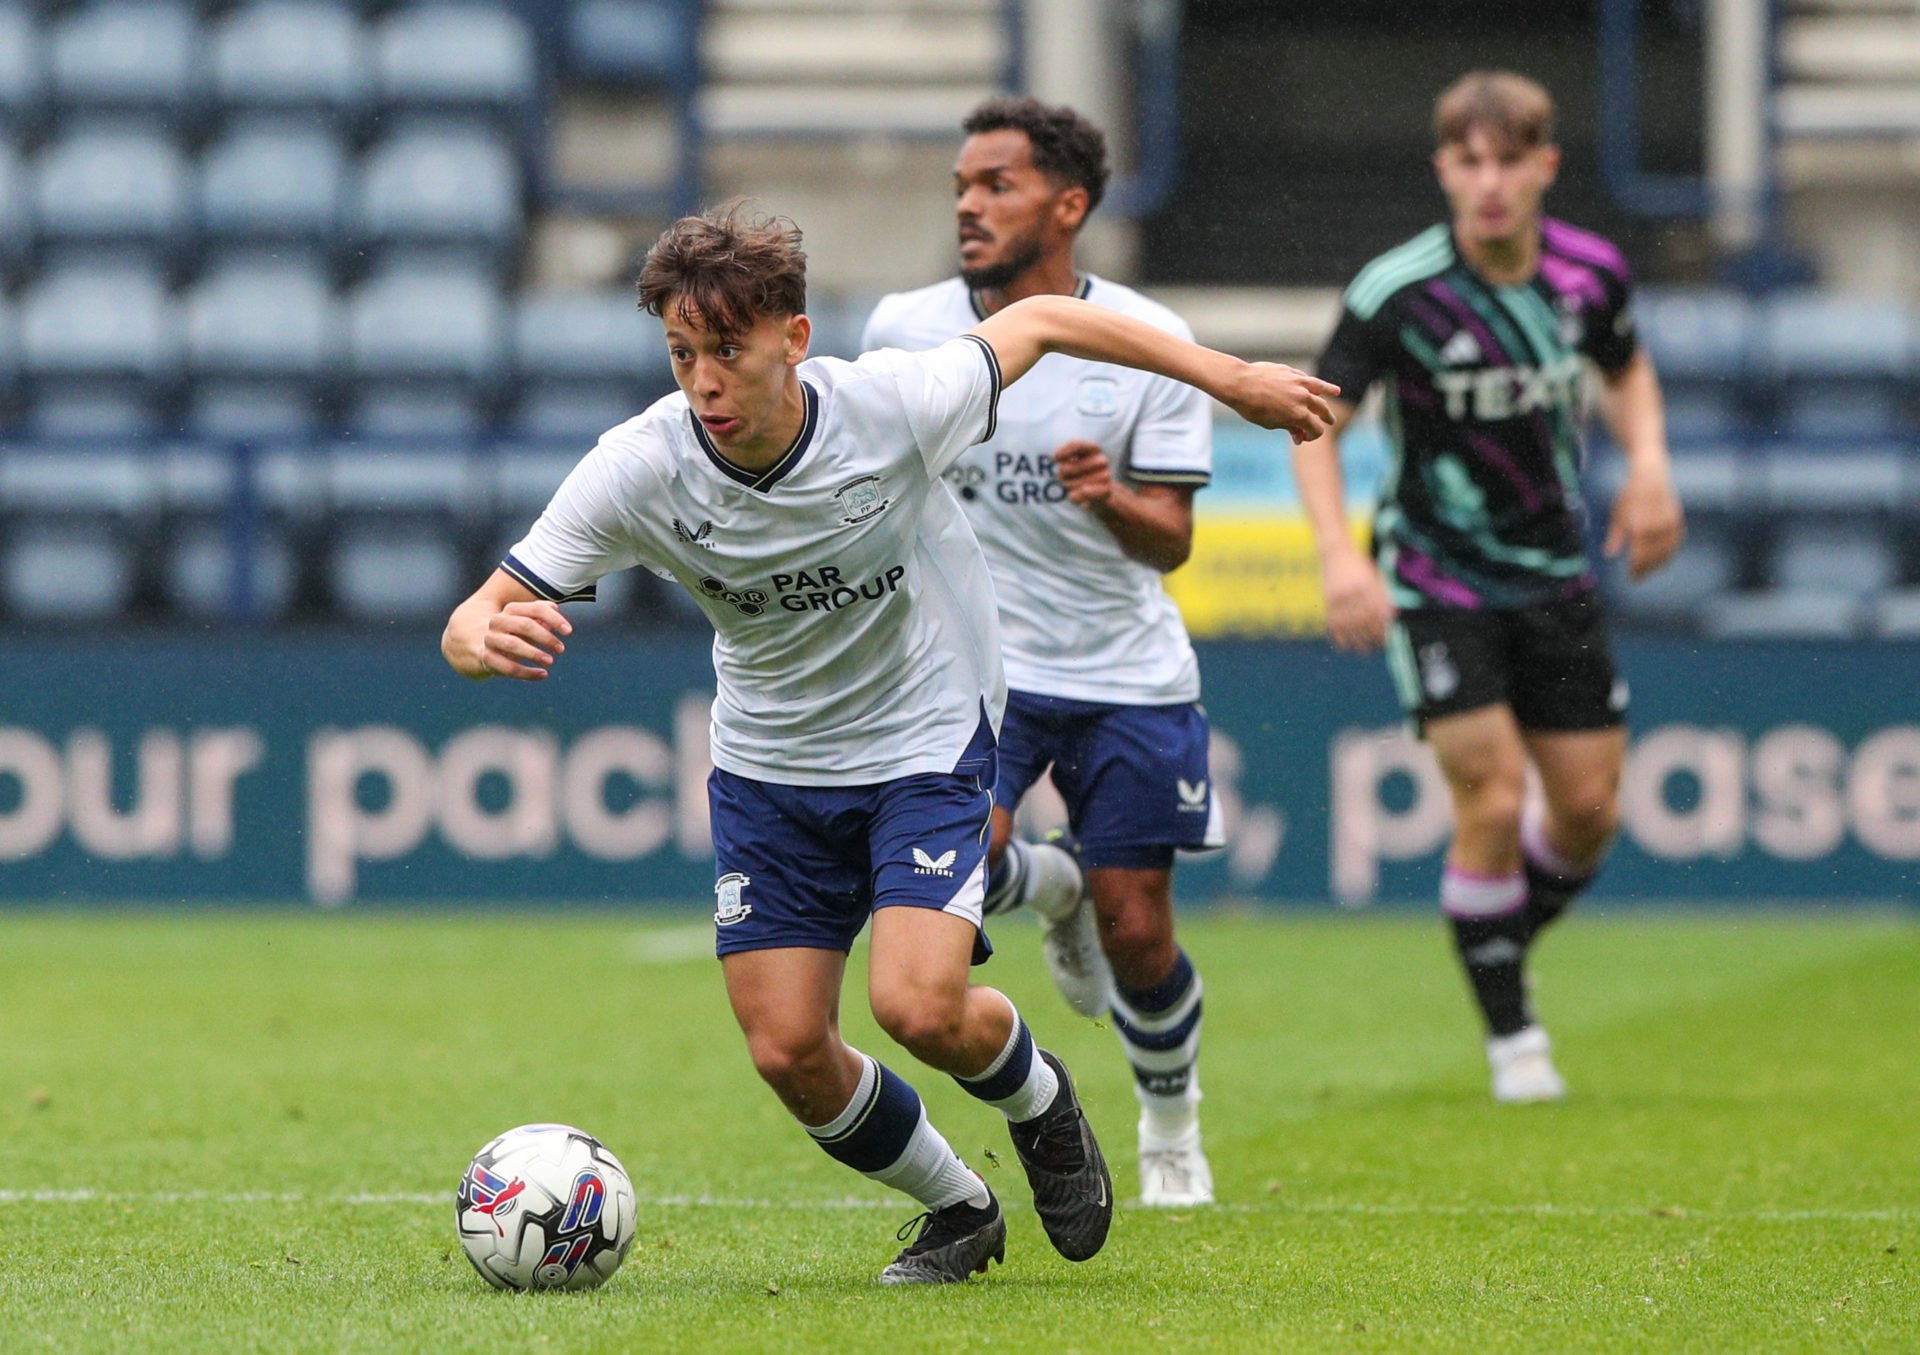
{"points": [[242, 1132]]}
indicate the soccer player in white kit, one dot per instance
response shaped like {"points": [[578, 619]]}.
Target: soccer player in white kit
{"points": [[1081, 499], [860, 691]]}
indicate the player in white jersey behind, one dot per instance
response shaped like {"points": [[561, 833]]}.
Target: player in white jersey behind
{"points": [[859, 694], [1082, 499]]}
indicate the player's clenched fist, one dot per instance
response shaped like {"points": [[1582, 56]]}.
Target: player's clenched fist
{"points": [[524, 638], [1274, 395], [1084, 472]]}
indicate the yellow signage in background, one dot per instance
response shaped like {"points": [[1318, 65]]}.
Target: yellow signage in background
{"points": [[1252, 573]]}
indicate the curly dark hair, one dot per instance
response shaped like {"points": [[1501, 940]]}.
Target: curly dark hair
{"points": [[1066, 147], [726, 268]]}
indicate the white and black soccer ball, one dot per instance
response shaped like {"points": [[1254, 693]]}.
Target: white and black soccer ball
{"points": [[545, 1206]]}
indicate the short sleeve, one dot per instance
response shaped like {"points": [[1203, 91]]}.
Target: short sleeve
{"points": [[579, 539], [1356, 356], [1173, 439], [1611, 337], [951, 396]]}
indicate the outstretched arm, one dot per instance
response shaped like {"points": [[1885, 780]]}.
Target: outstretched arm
{"points": [[1265, 393], [1647, 522]]}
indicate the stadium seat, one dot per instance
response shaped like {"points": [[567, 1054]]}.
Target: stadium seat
{"points": [[584, 362], [1841, 418], [1696, 336], [65, 572], [275, 183], [448, 186], [1896, 614], [642, 42], [262, 341], [391, 571], [1818, 336], [108, 186], [1785, 614], [456, 56], [99, 348], [1844, 482], [199, 573], [1702, 415], [425, 350], [22, 97], [445, 323], [1846, 558], [303, 55], [126, 54]]}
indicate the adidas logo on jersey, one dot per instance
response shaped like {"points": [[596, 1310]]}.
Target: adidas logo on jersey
{"points": [[934, 865], [1462, 350], [1193, 795]]}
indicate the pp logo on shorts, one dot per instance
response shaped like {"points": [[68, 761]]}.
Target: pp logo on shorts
{"points": [[729, 906], [1437, 673]]}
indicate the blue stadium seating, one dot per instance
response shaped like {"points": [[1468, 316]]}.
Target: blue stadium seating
{"points": [[263, 341], [98, 347], [464, 57], [583, 363], [112, 186], [425, 351], [440, 186], [301, 55], [632, 41], [274, 183], [127, 54], [1696, 336], [1813, 335], [22, 79]]}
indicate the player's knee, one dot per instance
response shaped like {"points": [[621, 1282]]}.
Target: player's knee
{"points": [[1590, 821], [1138, 941], [789, 1061], [1492, 809], [923, 1023]]}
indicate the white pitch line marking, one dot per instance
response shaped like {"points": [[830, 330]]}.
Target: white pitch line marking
{"points": [[672, 945], [1359, 1209]]}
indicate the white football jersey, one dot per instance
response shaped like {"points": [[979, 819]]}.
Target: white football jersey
{"points": [[1078, 617], [855, 638]]}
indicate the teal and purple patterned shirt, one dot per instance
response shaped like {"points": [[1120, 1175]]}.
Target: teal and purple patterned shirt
{"points": [[1481, 506]]}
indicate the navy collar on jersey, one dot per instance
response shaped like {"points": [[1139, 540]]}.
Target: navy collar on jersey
{"points": [[778, 471], [1082, 286]]}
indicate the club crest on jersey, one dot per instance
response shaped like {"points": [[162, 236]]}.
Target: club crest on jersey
{"points": [[1098, 397], [861, 499], [1193, 795], [1437, 673], [694, 536], [729, 901], [934, 865]]}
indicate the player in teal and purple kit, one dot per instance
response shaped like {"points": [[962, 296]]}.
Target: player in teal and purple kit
{"points": [[1480, 587]]}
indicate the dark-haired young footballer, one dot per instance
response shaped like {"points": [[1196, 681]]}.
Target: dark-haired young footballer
{"points": [[1082, 499], [857, 663], [1480, 586]]}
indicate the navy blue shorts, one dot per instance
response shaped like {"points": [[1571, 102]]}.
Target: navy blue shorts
{"points": [[806, 865], [1134, 777]]}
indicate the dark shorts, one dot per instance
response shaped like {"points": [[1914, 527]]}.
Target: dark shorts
{"points": [[1134, 777], [1551, 664], [806, 865]]}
